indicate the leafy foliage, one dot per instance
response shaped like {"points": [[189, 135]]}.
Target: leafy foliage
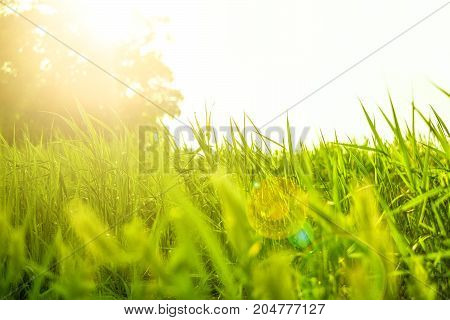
{"points": [[41, 77]]}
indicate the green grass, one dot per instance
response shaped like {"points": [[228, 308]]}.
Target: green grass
{"points": [[78, 220]]}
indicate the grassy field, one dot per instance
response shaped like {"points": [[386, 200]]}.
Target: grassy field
{"points": [[79, 218]]}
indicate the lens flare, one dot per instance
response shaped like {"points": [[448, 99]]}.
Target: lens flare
{"points": [[303, 238], [276, 208]]}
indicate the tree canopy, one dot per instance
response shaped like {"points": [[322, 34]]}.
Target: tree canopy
{"points": [[41, 77]]}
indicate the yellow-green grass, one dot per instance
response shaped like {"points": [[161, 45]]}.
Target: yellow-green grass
{"points": [[79, 220]]}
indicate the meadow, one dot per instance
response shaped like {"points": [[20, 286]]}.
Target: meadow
{"points": [[81, 218]]}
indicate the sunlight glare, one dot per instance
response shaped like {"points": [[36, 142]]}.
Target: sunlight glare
{"points": [[113, 22]]}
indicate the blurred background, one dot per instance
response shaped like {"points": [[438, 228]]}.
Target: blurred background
{"points": [[230, 57], [41, 77]]}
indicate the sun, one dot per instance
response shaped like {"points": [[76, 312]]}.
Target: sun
{"points": [[109, 21], [112, 22]]}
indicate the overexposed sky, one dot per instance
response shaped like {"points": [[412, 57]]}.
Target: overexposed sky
{"points": [[260, 57]]}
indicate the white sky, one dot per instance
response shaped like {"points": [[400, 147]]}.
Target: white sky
{"points": [[260, 57]]}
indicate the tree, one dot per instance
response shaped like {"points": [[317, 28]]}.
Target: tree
{"points": [[41, 77]]}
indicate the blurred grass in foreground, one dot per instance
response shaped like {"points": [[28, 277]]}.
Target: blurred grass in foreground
{"points": [[337, 221]]}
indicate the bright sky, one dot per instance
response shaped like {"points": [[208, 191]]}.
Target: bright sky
{"points": [[260, 57]]}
